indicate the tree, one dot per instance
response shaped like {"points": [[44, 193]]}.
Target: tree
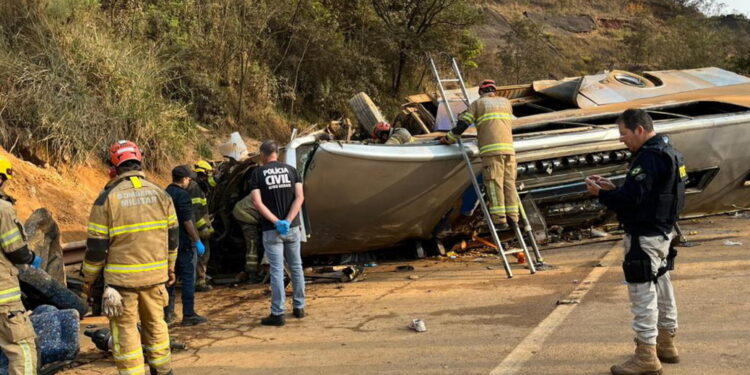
{"points": [[417, 27]]}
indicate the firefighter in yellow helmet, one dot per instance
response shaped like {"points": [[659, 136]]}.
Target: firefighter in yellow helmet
{"points": [[198, 191], [16, 332], [133, 238]]}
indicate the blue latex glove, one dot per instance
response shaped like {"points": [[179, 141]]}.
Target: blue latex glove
{"points": [[282, 226], [200, 247], [37, 262]]}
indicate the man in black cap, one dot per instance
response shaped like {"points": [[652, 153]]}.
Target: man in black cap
{"points": [[188, 251]]}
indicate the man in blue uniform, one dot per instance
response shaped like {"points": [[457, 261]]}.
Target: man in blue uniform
{"points": [[647, 205], [190, 248]]}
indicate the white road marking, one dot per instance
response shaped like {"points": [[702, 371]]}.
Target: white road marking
{"points": [[532, 344]]}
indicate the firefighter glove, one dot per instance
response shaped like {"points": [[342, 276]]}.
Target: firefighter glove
{"points": [[37, 262], [200, 248], [111, 302]]}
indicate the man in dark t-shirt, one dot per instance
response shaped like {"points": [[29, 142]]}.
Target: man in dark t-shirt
{"points": [[276, 189], [190, 247]]}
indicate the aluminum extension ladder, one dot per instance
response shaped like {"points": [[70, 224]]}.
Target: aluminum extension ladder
{"points": [[464, 97]]}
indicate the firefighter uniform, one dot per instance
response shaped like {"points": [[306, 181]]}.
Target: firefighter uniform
{"points": [[249, 218], [202, 225], [16, 332], [492, 116], [400, 136], [132, 238]]}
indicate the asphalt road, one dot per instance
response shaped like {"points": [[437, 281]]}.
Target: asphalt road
{"points": [[478, 321]]}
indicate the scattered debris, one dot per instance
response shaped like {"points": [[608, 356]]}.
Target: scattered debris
{"points": [[568, 302], [336, 274], [404, 268], [418, 325], [732, 243], [452, 255], [413, 277], [598, 233]]}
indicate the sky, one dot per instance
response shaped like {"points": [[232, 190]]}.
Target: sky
{"points": [[743, 6]]}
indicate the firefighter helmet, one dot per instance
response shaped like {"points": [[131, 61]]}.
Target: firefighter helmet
{"points": [[487, 85], [202, 166], [381, 130], [123, 151], [6, 169]]}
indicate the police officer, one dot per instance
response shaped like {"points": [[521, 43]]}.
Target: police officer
{"points": [[648, 205], [133, 238], [198, 190], [16, 332], [492, 116]]}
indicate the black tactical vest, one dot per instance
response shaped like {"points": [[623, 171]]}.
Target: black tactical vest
{"points": [[667, 199]]}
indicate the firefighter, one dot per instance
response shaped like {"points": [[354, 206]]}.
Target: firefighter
{"points": [[132, 239], [384, 133], [492, 116], [16, 332], [249, 219], [647, 204], [198, 191]]}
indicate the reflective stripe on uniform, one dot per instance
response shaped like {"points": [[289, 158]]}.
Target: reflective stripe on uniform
{"points": [[129, 355], [28, 365], [171, 219], [467, 117], [200, 223], [132, 268], [493, 116], [137, 370], [91, 268], [172, 255], [451, 136], [138, 227], [160, 360], [496, 147], [98, 228], [200, 201], [10, 237], [503, 209], [9, 295], [159, 346], [136, 182]]}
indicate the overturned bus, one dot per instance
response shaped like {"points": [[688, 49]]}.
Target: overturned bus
{"points": [[361, 196]]}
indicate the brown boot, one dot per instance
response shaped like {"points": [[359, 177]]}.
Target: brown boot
{"points": [[665, 349], [644, 362]]}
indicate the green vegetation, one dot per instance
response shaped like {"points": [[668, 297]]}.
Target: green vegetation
{"points": [[77, 74]]}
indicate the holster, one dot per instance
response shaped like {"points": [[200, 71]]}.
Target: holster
{"points": [[637, 264]]}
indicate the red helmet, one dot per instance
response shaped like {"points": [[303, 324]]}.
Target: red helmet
{"points": [[380, 128], [487, 85], [123, 151]]}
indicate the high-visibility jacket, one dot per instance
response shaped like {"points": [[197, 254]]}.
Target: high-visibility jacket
{"points": [[132, 234], [492, 115], [244, 211], [14, 250], [400, 136], [200, 208]]}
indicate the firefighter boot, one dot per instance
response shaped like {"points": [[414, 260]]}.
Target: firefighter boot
{"points": [[665, 349], [643, 362]]}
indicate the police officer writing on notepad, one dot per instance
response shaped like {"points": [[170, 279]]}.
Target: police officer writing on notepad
{"points": [[647, 204]]}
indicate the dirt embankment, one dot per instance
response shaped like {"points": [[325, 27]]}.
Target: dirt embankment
{"points": [[66, 192]]}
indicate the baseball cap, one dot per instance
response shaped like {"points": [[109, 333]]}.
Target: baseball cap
{"points": [[181, 171]]}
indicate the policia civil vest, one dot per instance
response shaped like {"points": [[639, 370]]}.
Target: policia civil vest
{"points": [[657, 213], [132, 234]]}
